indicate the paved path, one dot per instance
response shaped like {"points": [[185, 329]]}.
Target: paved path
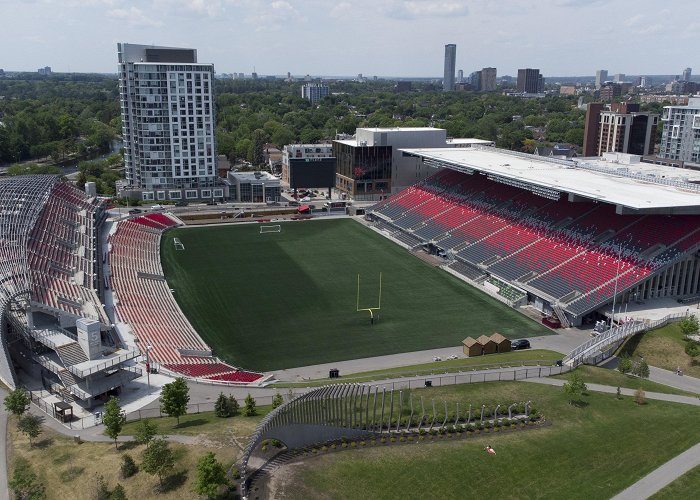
{"points": [[664, 475], [4, 472], [608, 389], [665, 377], [563, 342]]}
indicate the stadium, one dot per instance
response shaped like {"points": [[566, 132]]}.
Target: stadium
{"points": [[92, 300]]}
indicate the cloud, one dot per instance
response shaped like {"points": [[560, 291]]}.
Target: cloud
{"points": [[417, 9], [634, 20], [341, 10], [274, 15], [133, 16]]}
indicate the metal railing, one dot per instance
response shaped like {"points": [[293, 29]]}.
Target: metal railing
{"points": [[133, 354], [595, 348]]}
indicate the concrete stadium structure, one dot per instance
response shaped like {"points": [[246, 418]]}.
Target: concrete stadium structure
{"points": [[570, 237]]}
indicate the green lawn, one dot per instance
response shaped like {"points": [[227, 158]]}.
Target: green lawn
{"points": [[590, 452], [288, 299], [606, 376], [663, 348], [506, 359], [686, 486]]}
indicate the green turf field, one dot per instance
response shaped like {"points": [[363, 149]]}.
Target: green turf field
{"points": [[280, 300]]}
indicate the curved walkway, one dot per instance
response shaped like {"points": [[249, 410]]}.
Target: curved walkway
{"points": [[663, 476], [4, 471]]}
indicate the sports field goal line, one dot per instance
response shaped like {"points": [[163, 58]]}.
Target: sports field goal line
{"points": [[178, 244], [275, 228]]}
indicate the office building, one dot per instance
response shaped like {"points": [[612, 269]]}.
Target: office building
{"points": [[254, 187], [45, 71], [610, 90], [168, 123], [687, 72], [460, 76], [645, 82], [619, 78], [475, 80], [307, 159], [487, 80], [619, 128], [601, 76], [448, 80], [314, 92], [681, 134], [530, 81], [371, 165]]}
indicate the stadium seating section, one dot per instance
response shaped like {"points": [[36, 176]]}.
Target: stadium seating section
{"points": [[148, 306], [573, 252]]}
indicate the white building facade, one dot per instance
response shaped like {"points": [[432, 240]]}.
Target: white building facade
{"points": [[168, 123], [314, 92], [680, 139]]}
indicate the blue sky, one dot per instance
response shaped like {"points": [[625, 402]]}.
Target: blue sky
{"points": [[372, 37]]}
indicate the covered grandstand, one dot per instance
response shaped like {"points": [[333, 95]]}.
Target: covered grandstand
{"points": [[570, 236], [52, 322]]}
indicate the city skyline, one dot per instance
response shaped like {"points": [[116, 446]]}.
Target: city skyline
{"points": [[306, 36]]}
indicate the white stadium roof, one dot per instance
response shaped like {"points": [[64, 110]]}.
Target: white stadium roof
{"points": [[621, 180]]}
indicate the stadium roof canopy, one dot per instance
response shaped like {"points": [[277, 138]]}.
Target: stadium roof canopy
{"points": [[621, 180]]}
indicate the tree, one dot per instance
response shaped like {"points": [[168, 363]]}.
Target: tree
{"points": [[101, 489], [118, 493], [128, 467], [574, 387], [145, 432], [25, 483], [249, 409], [233, 406], [625, 364], [210, 476], [689, 325], [174, 398], [30, 425], [17, 402], [692, 348], [277, 400], [158, 459], [113, 419], [641, 369], [221, 407]]}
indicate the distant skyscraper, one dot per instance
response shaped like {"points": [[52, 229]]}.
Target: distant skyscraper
{"points": [[314, 92], [460, 76], [448, 80], [601, 77], [620, 128], [488, 80], [686, 74], [530, 81], [168, 122], [619, 78], [645, 82]]}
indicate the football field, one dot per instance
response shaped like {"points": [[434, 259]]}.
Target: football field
{"points": [[280, 300]]}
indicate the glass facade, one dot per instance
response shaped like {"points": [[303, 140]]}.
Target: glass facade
{"points": [[362, 170]]}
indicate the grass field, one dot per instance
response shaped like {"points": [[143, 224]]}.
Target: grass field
{"points": [[288, 299], [589, 452], [664, 348], [686, 486]]}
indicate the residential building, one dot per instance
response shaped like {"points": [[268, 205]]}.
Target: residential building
{"points": [[487, 80], [601, 76], [681, 134], [314, 92], [619, 128], [168, 123], [567, 90], [645, 82], [403, 86], [46, 71], [530, 81], [610, 91], [460, 76], [687, 72], [682, 87], [619, 78], [448, 80], [475, 80]]}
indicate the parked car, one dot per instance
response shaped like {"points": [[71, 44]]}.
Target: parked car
{"points": [[157, 207], [134, 211], [181, 204], [294, 203], [520, 344], [212, 202]]}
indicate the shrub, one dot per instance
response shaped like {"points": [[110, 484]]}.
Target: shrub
{"points": [[625, 364], [128, 467], [344, 445], [353, 444], [362, 443], [324, 448], [334, 446], [402, 439], [640, 397], [264, 448], [392, 439], [410, 438], [383, 440]]}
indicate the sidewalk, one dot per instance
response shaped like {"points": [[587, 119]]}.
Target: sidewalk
{"points": [[608, 389], [664, 475], [665, 377]]}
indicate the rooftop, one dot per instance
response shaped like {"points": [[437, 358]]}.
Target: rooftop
{"points": [[624, 182]]}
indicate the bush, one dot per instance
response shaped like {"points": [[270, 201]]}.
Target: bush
{"points": [[625, 364], [128, 467], [640, 397]]}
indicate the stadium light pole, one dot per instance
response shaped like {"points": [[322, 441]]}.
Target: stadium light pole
{"points": [[617, 277], [148, 367]]}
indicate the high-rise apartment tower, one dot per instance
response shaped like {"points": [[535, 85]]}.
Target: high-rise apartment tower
{"points": [[448, 80]]}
